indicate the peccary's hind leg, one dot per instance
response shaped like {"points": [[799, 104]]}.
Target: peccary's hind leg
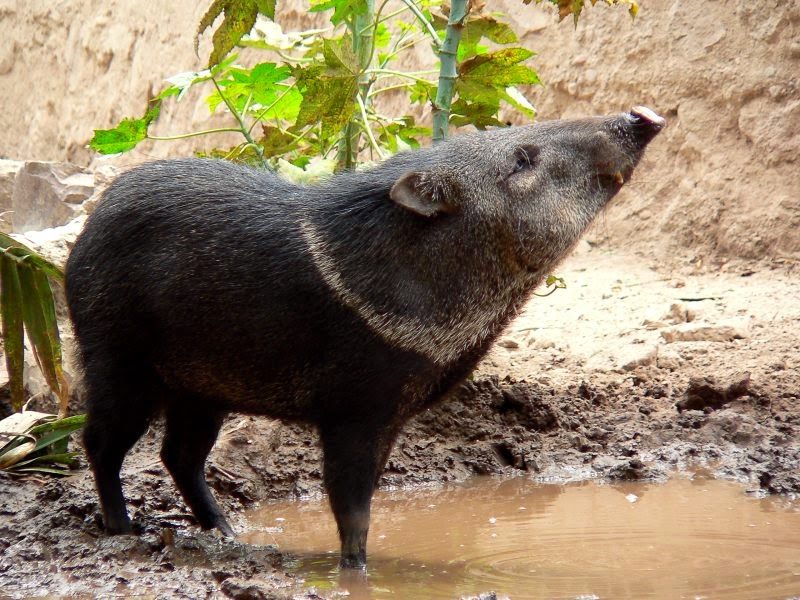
{"points": [[119, 411], [191, 432], [354, 456]]}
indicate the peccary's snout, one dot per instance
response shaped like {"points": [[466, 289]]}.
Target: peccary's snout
{"points": [[645, 123]]}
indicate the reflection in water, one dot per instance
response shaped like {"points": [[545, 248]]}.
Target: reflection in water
{"points": [[682, 539]]}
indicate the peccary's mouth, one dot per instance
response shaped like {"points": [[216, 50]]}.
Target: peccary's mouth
{"points": [[612, 178], [632, 131]]}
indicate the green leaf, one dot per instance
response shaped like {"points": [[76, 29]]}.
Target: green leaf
{"points": [[181, 82], [39, 316], [484, 81], [477, 114], [552, 280], [342, 9], [13, 345], [499, 69], [402, 134], [239, 18], [422, 92], [21, 254], [575, 7], [63, 458], [261, 90], [72, 423], [126, 135], [276, 142], [518, 100], [479, 26], [42, 469], [267, 8], [329, 89], [382, 36], [339, 56]]}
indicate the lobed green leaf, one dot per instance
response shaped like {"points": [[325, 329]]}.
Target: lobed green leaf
{"points": [[239, 18], [126, 135]]}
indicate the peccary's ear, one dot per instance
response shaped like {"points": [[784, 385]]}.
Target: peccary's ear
{"points": [[425, 193]]}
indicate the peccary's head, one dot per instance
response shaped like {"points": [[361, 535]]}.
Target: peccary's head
{"points": [[537, 187]]}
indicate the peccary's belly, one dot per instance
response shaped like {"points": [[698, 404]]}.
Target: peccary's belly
{"points": [[301, 361]]}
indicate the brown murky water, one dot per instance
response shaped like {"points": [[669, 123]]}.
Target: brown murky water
{"points": [[691, 539]]}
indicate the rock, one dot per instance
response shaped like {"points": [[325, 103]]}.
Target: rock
{"points": [[103, 176], [638, 356], [708, 392], [650, 325], [704, 332], [54, 243], [241, 589], [508, 343], [668, 359], [8, 173], [678, 313], [48, 194]]}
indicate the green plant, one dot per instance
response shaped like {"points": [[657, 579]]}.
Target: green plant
{"points": [[27, 305], [319, 92], [37, 443]]}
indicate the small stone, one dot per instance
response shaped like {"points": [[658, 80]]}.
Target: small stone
{"points": [[637, 357], [668, 359], [704, 332], [508, 343], [631, 498]]}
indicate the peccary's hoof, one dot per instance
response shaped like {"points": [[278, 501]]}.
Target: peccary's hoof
{"points": [[118, 527], [353, 562], [226, 530]]}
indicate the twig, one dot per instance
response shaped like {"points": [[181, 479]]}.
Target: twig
{"points": [[243, 128]]}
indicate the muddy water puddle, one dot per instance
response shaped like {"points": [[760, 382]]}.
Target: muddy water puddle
{"points": [[697, 538]]}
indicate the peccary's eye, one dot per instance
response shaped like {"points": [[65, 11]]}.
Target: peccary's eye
{"points": [[526, 157]]}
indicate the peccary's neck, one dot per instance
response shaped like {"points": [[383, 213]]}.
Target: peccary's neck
{"points": [[439, 287]]}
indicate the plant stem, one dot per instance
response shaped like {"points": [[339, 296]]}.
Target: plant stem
{"points": [[183, 136], [243, 129], [269, 108], [388, 88], [362, 107], [400, 74], [362, 28], [448, 72], [412, 6]]}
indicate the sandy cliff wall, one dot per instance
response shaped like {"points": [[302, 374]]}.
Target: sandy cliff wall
{"points": [[722, 181]]}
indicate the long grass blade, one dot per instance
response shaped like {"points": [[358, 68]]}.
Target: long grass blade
{"points": [[39, 316], [24, 255], [12, 322]]}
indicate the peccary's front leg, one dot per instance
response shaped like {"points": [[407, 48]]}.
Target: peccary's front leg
{"points": [[355, 453]]}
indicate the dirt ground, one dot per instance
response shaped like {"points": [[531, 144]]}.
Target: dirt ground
{"points": [[629, 373]]}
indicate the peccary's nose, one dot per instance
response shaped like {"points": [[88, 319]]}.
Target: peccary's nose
{"points": [[645, 122]]}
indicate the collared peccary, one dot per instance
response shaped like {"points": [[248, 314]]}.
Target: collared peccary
{"points": [[200, 288]]}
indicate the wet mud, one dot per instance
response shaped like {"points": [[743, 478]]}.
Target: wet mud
{"points": [[630, 428]]}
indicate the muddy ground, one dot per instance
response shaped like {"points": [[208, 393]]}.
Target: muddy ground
{"points": [[630, 373]]}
